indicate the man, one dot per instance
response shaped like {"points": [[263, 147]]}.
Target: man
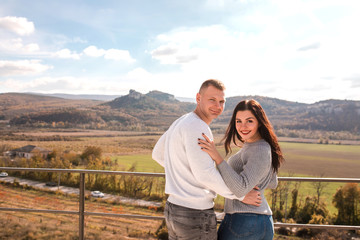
{"points": [[192, 179]]}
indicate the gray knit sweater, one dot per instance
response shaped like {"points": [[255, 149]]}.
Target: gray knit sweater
{"points": [[249, 167]]}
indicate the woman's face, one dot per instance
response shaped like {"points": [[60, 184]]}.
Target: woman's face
{"points": [[247, 126]]}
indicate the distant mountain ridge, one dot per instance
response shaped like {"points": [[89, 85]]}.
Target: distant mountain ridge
{"points": [[330, 115], [157, 110], [16, 104], [99, 97]]}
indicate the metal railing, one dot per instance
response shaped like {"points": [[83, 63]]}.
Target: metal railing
{"points": [[82, 213]]}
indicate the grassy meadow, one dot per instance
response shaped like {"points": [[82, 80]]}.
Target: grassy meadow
{"points": [[338, 161]]}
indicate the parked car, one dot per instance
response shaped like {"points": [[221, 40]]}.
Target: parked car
{"points": [[3, 174], [51, 184], [97, 194]]}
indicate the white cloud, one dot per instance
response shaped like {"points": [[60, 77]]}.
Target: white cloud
{"points": [[67, 84], [188, 45], [224, 4], [354, 80], [22, 67], [18, 25], [67, 54], [312, 46], [139, 74], [172, 54], [32, 47], [93, 51], [118, 55], [17, 45], [110, 54], [49, 85], [164, 51]]}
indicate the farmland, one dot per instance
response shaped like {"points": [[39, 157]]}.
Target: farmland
{"points": [[321, 160], [133, 149], [327, 160]]}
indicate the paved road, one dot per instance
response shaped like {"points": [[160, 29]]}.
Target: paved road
{"points": [[71, 190]]}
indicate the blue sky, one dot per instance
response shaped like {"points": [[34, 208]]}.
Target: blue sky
{"points": [[303, 51]]}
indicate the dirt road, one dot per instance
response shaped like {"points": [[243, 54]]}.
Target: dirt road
{"points": [[71, 190]]}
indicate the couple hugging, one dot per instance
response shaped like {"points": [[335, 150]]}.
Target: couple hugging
{"points": [[188, 153]]}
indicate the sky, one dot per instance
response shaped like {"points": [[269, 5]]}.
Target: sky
{"points": [[304, 51]]}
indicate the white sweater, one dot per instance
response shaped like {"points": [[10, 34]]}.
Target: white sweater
{"points": [[192, 179]]}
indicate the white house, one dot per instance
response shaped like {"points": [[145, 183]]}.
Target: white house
{"points": [[28, 152]]}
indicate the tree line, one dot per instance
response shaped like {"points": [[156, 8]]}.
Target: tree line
{"points": [[91, 158]]}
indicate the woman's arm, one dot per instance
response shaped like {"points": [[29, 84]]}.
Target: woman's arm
{"points": [[273, 182], [240, 183], [209, 147]]}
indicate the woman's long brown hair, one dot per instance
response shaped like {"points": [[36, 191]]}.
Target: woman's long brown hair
{"points": [[265, 129]]}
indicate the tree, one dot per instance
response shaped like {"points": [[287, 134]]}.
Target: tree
{"points": [[294, 206], [319, 187], [346, 200], [91, 152], [305, 214]]}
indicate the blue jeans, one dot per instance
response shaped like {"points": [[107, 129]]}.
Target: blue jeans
{"points": [[246, 226], [190, 224]]}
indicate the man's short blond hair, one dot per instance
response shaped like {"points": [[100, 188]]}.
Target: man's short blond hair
{"points": [[212, 82]]}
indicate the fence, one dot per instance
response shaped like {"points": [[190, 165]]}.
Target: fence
{"points": [[82, 213]]}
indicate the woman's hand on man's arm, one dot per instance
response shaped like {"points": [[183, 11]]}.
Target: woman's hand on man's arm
{"points": [[209, 147]]}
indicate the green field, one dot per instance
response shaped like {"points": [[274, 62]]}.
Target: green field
{"points": [[142, 162], [339, 161], [302, 160]]}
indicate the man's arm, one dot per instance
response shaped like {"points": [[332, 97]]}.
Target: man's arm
{"points": [[158, 151]]}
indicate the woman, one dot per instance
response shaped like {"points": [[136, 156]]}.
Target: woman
{"points": [[255, 164]]}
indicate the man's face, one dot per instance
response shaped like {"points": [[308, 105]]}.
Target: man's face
{"points": [[211, 103]]}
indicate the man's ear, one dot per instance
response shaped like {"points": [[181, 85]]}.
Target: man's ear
{"points": [[198, 98]]}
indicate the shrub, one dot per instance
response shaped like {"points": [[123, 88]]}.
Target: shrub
{"points": [[304, 215]]}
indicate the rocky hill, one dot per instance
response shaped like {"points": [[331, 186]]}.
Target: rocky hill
{"points": [[154, 109], [157, 110]]}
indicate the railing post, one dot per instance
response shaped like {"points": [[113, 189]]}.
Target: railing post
{"points": [[81, 206], [59, 176]]}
